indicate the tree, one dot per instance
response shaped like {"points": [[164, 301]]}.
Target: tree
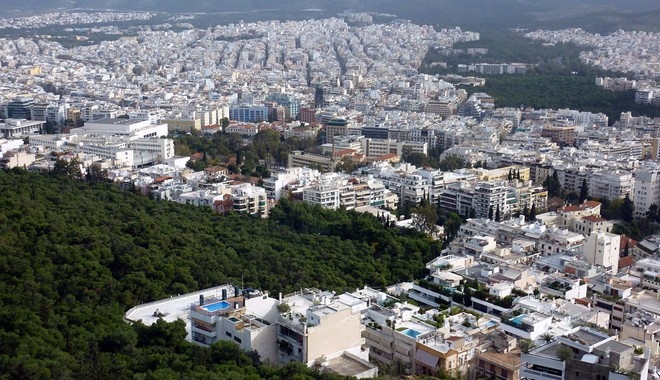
{"points": [[553, 185], [95, 173], [532, 212], [526, 345], [490, 212], [565, 353], [425, 219], [652, 213], [498, 214], [510, 175], [584, 190], [627, 209]]}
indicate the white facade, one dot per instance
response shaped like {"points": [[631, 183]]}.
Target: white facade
{"points": [[647, 191], [602, 248], [133, 129]]}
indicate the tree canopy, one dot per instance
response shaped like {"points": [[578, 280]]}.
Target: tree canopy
{"points": [[77, 255]]}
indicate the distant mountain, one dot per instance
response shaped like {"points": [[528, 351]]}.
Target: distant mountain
{"points": [[525, 13]]}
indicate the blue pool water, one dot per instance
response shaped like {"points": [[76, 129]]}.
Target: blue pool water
{"points": [[216, 306], [518, 320], [491, 323], [411, 333]]}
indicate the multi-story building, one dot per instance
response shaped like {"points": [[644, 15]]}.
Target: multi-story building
{"points": [[249, 199], [564, 136], [299, 159], [20, 127], [20, 108], [244, 130], [488, 198], [316, 327], [248, 113], [647, 190], [583, 353], [602, 248], [233, 317], [290, 103], [131, 129], [374, 148]]}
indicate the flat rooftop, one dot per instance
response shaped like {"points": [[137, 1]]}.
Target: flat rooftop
{"points": [[588, 337], [173, 308], [346, 366], [117, 121], [615, 346]]}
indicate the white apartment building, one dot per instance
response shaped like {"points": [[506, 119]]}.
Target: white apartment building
{"points": [[325, 194], [647, 190], [249, 199], [602, 248]]}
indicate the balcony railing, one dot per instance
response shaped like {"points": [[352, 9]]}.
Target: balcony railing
{"points": [[532, 374]]}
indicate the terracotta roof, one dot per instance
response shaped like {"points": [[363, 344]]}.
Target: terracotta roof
{"points": [[388, 156], [626, 261], [592, 204], [594, 218], [344, 152], [631, 243], [162, 179], [572, 208]]}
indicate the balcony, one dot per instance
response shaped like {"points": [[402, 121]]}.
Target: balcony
{"points": [[528, 373], [204, 331]]}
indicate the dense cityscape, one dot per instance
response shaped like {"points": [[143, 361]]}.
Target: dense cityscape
{"points": [[305, 199]]}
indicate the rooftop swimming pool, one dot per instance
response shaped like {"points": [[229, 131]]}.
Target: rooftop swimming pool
{"points": [[517, 320], [216, 306], [411, 333]]}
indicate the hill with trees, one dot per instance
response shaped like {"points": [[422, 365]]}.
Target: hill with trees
{"points": [[77, 255]]}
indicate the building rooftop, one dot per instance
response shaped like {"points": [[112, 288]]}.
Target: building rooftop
{"points": [[346, 365], [109, 121]]}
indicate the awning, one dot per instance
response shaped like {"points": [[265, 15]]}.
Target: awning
{"points": [[427, 358]]}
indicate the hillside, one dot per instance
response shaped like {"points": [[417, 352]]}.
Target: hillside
{"points": [[75, 257]]}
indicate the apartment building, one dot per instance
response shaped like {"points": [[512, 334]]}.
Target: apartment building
{"points": [[647, 190], [583, 353], [299, 159], [602, 249]]}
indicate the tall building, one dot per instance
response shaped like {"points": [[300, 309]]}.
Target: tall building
{"points": [[290, 103], [248, 113], [647, 190], [602, 248], [20, 108]]}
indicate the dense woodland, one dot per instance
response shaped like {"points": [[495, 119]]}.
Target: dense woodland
{"points": [[556, 79], [76, 256]]}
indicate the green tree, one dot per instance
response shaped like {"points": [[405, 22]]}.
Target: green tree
{"points": [[584, 190], [532, 213], [425, 219], [627, 209], [652, 213], [498, 214], [553, 185]]}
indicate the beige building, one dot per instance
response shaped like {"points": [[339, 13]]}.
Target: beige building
{"points": [[183, 124]]}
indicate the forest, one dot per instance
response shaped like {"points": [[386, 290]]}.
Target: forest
{"points": [[556, 78], [76, 256]]}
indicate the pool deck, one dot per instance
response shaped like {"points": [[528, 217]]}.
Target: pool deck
{"points": [[172, 308]]}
